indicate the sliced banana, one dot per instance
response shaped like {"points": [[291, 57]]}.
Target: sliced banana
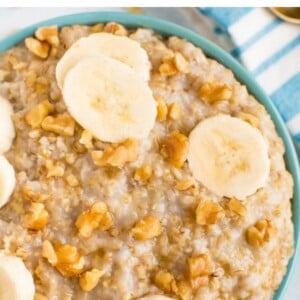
{"points": [[7, 130], [156, 297], [120, 48], [107, 98], [228, 156], [7, 180], [16, 282]]}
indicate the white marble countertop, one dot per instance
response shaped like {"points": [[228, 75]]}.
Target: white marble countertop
{"points": [[12, 19]]}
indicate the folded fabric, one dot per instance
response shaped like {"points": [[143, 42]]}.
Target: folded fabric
{"points": [[270, 49]]}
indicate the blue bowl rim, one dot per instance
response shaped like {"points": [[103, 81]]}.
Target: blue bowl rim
{"points": [[211, 50]]}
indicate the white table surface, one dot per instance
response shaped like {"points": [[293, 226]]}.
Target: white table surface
{"points": [[12, 19]]}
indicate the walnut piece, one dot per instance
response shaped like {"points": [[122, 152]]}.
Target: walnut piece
{"points": [[49, 253], [29, 195], [166, 281], [38, 48], [97, 217], [184, 184], [143, 173], [212, 92], [38, 113], [86, 139], [37, 217], [97, 27], [173, 65], [62, 124], [208, 212], [72, 180], [69, 261], [115, 28], [260, 233], [236, 206], [147, 228], [175, 111], [90, 279], [168, 68], [162, 109], [249, 118], [48, 34], [117, 156], [199, 281], [180, 62], [199, 265], [54, 169], [175, 148]]}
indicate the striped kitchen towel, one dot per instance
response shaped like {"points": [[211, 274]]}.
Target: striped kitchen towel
{"points": [[270, 49]]}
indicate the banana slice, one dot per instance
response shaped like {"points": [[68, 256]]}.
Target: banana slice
{"points": [[7, 130], [228, 156], [156, 297], [120, 48], [7, 180], [16, 281], [107, 98]]}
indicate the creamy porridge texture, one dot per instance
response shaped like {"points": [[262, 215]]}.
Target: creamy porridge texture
{"points": [[130, 201]]}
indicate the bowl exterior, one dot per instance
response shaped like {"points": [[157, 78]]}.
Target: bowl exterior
{"points": [[213, 51]]}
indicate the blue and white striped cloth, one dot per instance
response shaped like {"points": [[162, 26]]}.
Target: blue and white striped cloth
{"points": [[270, 49]]}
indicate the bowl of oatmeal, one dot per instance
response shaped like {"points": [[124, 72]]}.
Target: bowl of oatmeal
{"points": [[139, 161]]}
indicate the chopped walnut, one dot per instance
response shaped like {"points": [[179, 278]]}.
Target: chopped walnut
{"points": [[143, 173], [260, 233], [115, 28], [166, 281], [37, 47], [72, 180], [147, 228], [162, 109], [208, 212], [70, 262], [67, 254], [168, 68], [39, 296], [37, 217], [117, 156], [38, 113], [212, 92], [172, 65], [62, 125], [48, 34], [54, 170], [184, 185], [90, 279], [249, 118], [184, 290], [86, 139], [175, 148], [175, 111], [29, 195], [180, 62], [199, 265], [199, 281], [49, 253], [236, 206], [97, 28], [97, 217]]}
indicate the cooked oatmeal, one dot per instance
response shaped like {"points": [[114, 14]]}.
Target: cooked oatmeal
{"points": [[94, 220]]}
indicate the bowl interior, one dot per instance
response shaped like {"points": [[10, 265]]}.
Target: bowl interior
{"points": [[211, 50]]}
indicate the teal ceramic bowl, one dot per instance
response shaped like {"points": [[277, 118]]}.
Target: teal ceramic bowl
{"points": [[212, 51]]}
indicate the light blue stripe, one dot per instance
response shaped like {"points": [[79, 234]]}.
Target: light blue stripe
{"points": [[260, 34], [276, 56], [287, 98], [226, 16]]}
